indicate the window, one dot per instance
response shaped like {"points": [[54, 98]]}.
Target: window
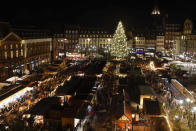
{"points": [[11, 47], [5, 47], [5, 55], [16, 53], [16, 45], [21, 52], [12, 54]]}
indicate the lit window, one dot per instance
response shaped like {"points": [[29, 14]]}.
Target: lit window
{"points": [[16, 53], [12, 54], [5, 47], [5, 55], [21, 52], [11, 47], [16, 45]]}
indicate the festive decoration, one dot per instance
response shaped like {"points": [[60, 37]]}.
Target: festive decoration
{"points": [[119, 43]]}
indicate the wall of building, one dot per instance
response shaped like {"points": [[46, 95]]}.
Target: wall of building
{"points": [[160, 43], [94, 41], [139, 42], [11, 56], [37, 52], [18, 56]]}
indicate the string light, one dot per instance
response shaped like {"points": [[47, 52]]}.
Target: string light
{"points": [[119, 43]]}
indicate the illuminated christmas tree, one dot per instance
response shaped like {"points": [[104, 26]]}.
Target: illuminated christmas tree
{"points": [[119, 43]]}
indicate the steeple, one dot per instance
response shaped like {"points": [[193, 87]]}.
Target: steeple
{"points": [[156, 9]]}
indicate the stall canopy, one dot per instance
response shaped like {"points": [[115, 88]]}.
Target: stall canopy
{"points": [[3, 84], [12, 79]]}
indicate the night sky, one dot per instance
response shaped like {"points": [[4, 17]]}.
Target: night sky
{"points": [[96, 13]]}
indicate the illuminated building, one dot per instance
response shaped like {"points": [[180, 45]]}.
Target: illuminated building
{"points": [[11, 55], [71, 35], [65, 41], [22, 54], [150, 43], [37, 52], [96, 38], [188, 39], [160, 42], [77, 39], [139, 42], [172, 30], [60, 44], [155, 10]]}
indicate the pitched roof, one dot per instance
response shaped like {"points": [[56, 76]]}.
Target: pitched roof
{"points": [[43, 106], [152, 107], [12, 37]]}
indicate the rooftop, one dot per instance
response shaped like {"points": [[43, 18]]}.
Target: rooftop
{"points": [[43, 106], [145, 90], [151, 107]]}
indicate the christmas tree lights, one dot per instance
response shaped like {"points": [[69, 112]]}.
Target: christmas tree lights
{"points": [[119, 43]]}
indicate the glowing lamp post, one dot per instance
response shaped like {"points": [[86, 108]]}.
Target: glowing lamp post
{"points": [[181, 102], [133, 117], [194, 110], [188, 100]]}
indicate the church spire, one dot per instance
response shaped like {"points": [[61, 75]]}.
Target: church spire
{"points": [[156, 9]]}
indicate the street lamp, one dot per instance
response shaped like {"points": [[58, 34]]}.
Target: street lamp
{"points": [[133, 117], [194, 110], [181, 102], [188, 100]]}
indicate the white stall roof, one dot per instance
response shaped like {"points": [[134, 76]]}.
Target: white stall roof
{"points": [[12, 79]]}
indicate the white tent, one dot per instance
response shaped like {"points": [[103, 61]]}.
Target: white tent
{"points": [[12, 79]]}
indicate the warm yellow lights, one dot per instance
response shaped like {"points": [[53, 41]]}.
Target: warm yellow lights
{"points": [[152, 67], [88, 39], [119, 43], [156, 12]]}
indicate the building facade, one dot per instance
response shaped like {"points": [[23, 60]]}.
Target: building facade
{"points": [[172, 31], [95, 41], [37, 52], [150, 43], [11, 56], [60, 44], [188, 39], [71, 37], [20, 55], [160, 38], [139, 42]]}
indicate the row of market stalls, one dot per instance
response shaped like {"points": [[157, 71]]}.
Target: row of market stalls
{"points": [[14, 97], [186, 66]]}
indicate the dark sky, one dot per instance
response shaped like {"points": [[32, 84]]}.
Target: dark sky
{"points": [[96, 13]]}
